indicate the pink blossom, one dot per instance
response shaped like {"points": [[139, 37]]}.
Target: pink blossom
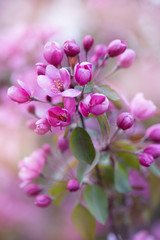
{"points": [[125, 120], [96, 104], [100, 50], [58, 117], [153, 149], [63, 143], [126, 59], [32, 189], [42, 126], [55, 82], [71, 49], [18, 94], [145, 159], [116, 47], [41, 68], [83, 73], [88, 41], [31, 167], [43, 201], [73, 185], [153, 132], [53, 53], [142, 108]]}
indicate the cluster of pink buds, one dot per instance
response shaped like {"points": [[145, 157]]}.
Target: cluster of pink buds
{"points": [[90, 121]]}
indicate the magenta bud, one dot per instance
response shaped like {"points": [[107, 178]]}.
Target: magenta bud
{"points": [[145, 159], [31, 124], [63, 143], [100, 50], [71, 49], [88, 41], [153, 149], [43, 200], [73, 185], [116, 47], [83, 73], [125, 120], [31, 108], [18, 94], [153, 133], [33, 189], [47, 148], [41, 68], [126, 59], [42, 126], [53, 53]]}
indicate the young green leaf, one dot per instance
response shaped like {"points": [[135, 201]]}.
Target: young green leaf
{"points": [[83, 222], [97, 203], [108, 92], [121, 179], [81, 145]]}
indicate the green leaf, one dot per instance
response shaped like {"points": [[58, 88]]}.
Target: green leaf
{"points": [[88, 87], [155, 170], [81, 145], [84, 222], [58, 190], [97, 203], [130, 159], [84, 168], [108, 92], [104, 125], [121, 179]]}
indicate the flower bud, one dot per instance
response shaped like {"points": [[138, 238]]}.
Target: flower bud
{"points": [[153, 133], [116, 47], [41, 68], [83, 73], [42, 126], [47, 148], [142, 108], [31, 124], [33, 189], [153, 149], [43, 201], [63, 143], [53, 53], [18, 94], [73, 185], [125, 120], [145, 159], [100, 50], [88, 41], [71, 49], [126, 59], [31, 108]]}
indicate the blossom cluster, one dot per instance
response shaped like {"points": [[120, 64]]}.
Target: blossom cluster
{"points": [[91, 121]]}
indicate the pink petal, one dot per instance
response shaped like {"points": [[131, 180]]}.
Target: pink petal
{"points": [[52, 72], [70, 104], [71, 93], [65, 77], [47, 85]]}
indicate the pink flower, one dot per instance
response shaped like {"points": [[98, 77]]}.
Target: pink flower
{"points": [[63, 143], [42, 126], [58, 117], [71, 49], [88, 41], [126, 59], [43, 201], [31, 167], [96, 104], [53, 53], [153, 149], [153, 133], [73, 185], [142, 108], [18, 94], [83, 73], [125, 120], [41, 68], [145, 159], [33, 189], [100, 50], [56, 81], [116, 47]]}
